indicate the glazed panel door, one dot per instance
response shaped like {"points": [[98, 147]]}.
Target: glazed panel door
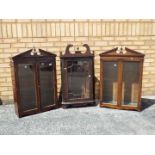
{"points": [[79, 79], [130, 83], [109, 82], [27, 87], [46, 84]]}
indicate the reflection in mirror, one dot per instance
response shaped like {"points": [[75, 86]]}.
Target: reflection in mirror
{"points": [[130, 83], [110, 84], [27, 86], [46, 83], [79, 80]]}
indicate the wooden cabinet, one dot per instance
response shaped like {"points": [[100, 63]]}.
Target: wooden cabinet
{"points": [[77, 70], [121, 78], [34, 82]]}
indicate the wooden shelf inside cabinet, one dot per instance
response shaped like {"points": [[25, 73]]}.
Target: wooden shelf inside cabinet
{"points": [[34, 82], [121, 78], [77, 71]]}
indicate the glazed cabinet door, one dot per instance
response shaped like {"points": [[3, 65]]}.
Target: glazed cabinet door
{"points": [[27, 88], [130, 83], [109, 79], [47, 84], [79, 79]]}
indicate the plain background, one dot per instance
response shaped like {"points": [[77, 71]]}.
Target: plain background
{"points": [[79, 9]]}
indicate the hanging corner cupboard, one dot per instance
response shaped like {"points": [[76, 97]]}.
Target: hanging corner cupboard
{"points": [[77, 71], [34, 82], [121, 79]]}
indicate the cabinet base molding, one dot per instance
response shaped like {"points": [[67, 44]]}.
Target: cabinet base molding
{"points": [[78, 104], [119, 107]]}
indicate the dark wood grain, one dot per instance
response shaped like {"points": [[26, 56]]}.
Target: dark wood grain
{"points": [[35, 60], [129, 56], [77, 56]]}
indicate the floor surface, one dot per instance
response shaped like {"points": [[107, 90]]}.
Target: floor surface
{"points": [[77, 121]]}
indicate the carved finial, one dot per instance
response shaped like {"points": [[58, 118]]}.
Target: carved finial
{"points": [[34, 48], [87, 48], [121, 50], [35, 51], [67, 49]]}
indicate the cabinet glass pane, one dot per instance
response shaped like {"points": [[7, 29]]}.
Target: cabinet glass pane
{"points": [[46, 83], [79, 80], [130, 87], [110, 84], [27, 86]]}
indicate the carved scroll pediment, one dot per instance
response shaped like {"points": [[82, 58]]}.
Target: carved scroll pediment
{"points": [[121, 51], [77, 52]]}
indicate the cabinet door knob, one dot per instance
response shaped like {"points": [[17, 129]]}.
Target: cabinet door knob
{"points": [[89, 76]]}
